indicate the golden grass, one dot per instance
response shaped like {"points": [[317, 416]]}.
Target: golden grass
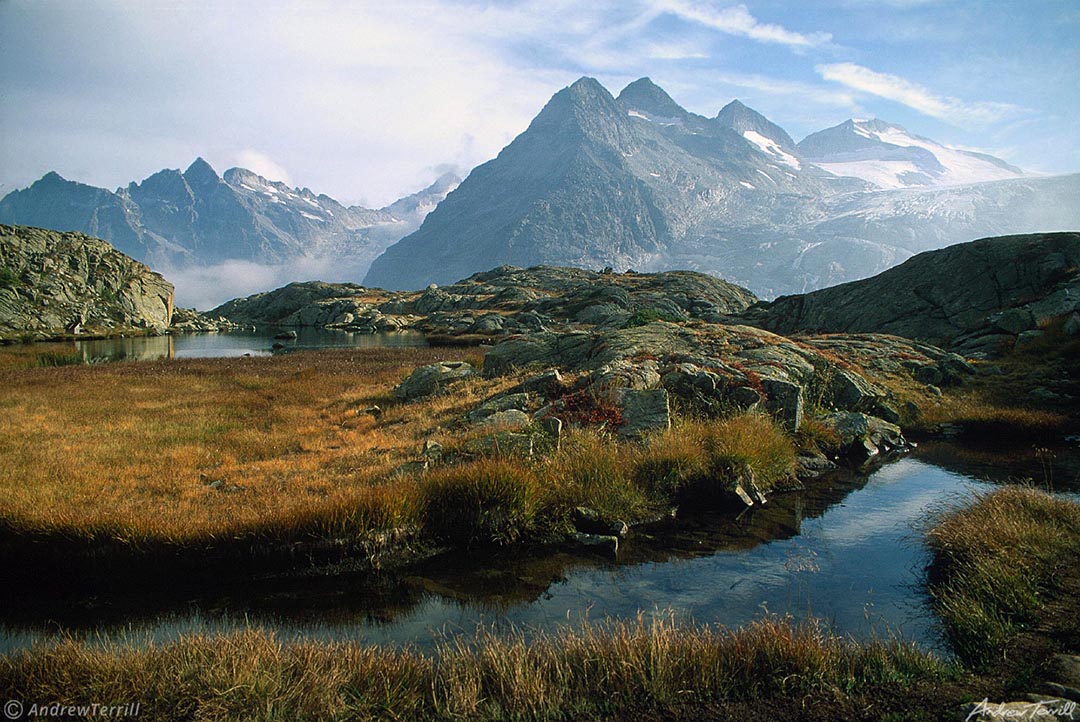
{"points": [[996, 562], [279, 450], [607, 669], [702, 458], [978, 415], [134, 449]]}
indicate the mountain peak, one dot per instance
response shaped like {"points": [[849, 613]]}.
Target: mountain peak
{"points": [[585, 107], [743, 119], [645, 96], [200, 173], [52, 177]]}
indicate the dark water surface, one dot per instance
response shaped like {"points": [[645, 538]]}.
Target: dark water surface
{"points": [[846, 550], [236, 343]]}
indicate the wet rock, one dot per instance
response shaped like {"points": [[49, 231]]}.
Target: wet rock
{"points": [[603, 543], [864, 436], [589, 521], [811, 467], [286, 336], [427, 380]]}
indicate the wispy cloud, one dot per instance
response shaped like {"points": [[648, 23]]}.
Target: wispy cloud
{"points": [[915, 96], [262, 164], [737, 20]]}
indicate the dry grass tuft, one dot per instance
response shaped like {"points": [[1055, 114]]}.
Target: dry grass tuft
{"points": [[995, 561]]}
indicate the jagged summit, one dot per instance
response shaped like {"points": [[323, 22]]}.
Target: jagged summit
{"points": [[201, 173], [743, 119], [173, 219], [644, 97]]}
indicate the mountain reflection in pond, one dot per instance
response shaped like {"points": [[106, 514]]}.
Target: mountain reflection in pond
{"points": [[845, 550]]}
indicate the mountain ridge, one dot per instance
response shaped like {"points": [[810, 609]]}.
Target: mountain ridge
{"points": [[636, 181], [195, 217]]}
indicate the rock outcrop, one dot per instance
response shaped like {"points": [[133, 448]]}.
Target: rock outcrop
{"points": [[979, 298], [500, 302], [53, 283]]}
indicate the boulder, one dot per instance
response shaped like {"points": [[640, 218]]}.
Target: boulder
{"points": [[784, 400], [643, 411], [499, 403], [427, 380], [603, 543], [509, 420], [625, 374], [503, 443], [864, 436]]}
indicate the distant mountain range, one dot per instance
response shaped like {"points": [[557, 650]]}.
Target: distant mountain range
{"points": [[196, 217], [639, 182], [630, 182]]}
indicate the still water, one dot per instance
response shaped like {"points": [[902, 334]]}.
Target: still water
{"points": [[236, 343], [846, 550]]}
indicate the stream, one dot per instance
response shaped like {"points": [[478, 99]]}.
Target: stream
{"points": [[847, 550]]}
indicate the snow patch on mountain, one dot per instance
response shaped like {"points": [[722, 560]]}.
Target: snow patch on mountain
{"points": [[772, 149]]}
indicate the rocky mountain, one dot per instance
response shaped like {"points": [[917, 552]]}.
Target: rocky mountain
{"points": [[887, 156], [981, 298], [53, 282], [196, 217], [639, 182]]}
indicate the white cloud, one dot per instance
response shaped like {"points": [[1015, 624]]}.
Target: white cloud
{"points": [[737, 20], [262, 164], [915, 96]]}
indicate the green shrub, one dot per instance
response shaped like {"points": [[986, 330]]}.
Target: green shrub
{"points": [[8, 278], [644, 316]]}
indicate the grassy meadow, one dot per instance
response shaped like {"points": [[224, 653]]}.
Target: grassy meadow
{"points": [[280, 449]]}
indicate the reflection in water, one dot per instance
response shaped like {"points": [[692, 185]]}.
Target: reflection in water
{"points": [[235, 343], [843, 550]]}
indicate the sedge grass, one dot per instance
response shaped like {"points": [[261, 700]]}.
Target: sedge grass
{"points": [[609, 669]]}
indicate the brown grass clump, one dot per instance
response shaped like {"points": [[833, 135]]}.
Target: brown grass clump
{"points": [[594, 470], [981, 417], [701, 458], [996, 561], [482, 502], [616, 668]]}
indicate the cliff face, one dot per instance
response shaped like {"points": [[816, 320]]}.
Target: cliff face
{"points": [[52, 282], [979, 298]]}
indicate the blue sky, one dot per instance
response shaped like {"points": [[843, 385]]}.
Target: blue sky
{"points": [[367, 101]]}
